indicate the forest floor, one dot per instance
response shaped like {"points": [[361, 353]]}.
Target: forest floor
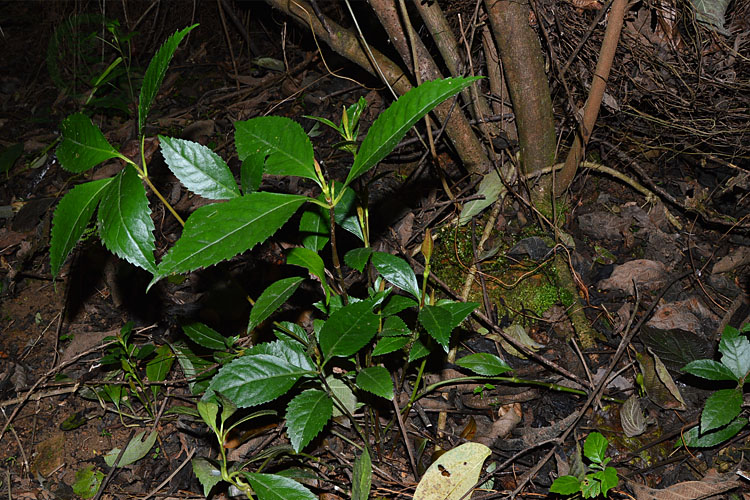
{"points": [[628, 260]]}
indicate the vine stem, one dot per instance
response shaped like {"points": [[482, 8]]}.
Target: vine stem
{"points": [[143, 174]]}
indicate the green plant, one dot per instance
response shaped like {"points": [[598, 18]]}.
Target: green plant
{"points": [[590, 482], [126, 361], [355, 332], [720, 418]]}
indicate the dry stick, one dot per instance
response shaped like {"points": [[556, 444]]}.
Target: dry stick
{"points": [[407, 443], [229, 43], [626, 339], [594, 101]]}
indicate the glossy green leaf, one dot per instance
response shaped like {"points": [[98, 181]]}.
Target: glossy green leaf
{"points": [[306, 415], [83, 145], [275, 487], [709, 369], [721, 407], [251, 173], [735, 350], [418, 351], [220, 231], [314, 228], [388, 345], [208, 473], [71, 218], [436, 321], [256, 379], [608, 478], [394, 326], [310, 260], [357, 258], [362, 476], [155, 72], [136, 449], [695, 439], [208, 411], [289, 350], [125, 225], [345, 211], [348, 330], [393, 123], [205, 336], [484, 363], [199, 169], [459, 311], [282, 141], [595, 446], [397, 271], [454, 474], [565, 485], [377, 380], [397, 303], [271, 299]]}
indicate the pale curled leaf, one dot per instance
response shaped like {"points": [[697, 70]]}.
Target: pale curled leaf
{"points": [[134, 451], [631, 417], [454, 474]]}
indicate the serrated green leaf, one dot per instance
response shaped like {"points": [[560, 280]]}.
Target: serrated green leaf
{"points": [[220, 231], [709, 369], [271, 299], [83, 145], [459, 310], [565, 485], [695, 439], [484, 363], [396, 304], [394, 327], [357, 258], [362, 477], [418, 351], [275, 487], [71, 218], [436, 321], [595, 446], [348, 330], [136, 449], [393, 123], [289, 350], [608, 478], [256, 379], [208, 473], [388, 345], [590, 487], [310, 260], [208, 411], [454, 474], [251, 173], [314, 228], [735, 350], [283, 141], [306, 415], [125, 225], [155, 72], [205, 336], [199, 169], [397, 271], [721, 407], [377, 380]]}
